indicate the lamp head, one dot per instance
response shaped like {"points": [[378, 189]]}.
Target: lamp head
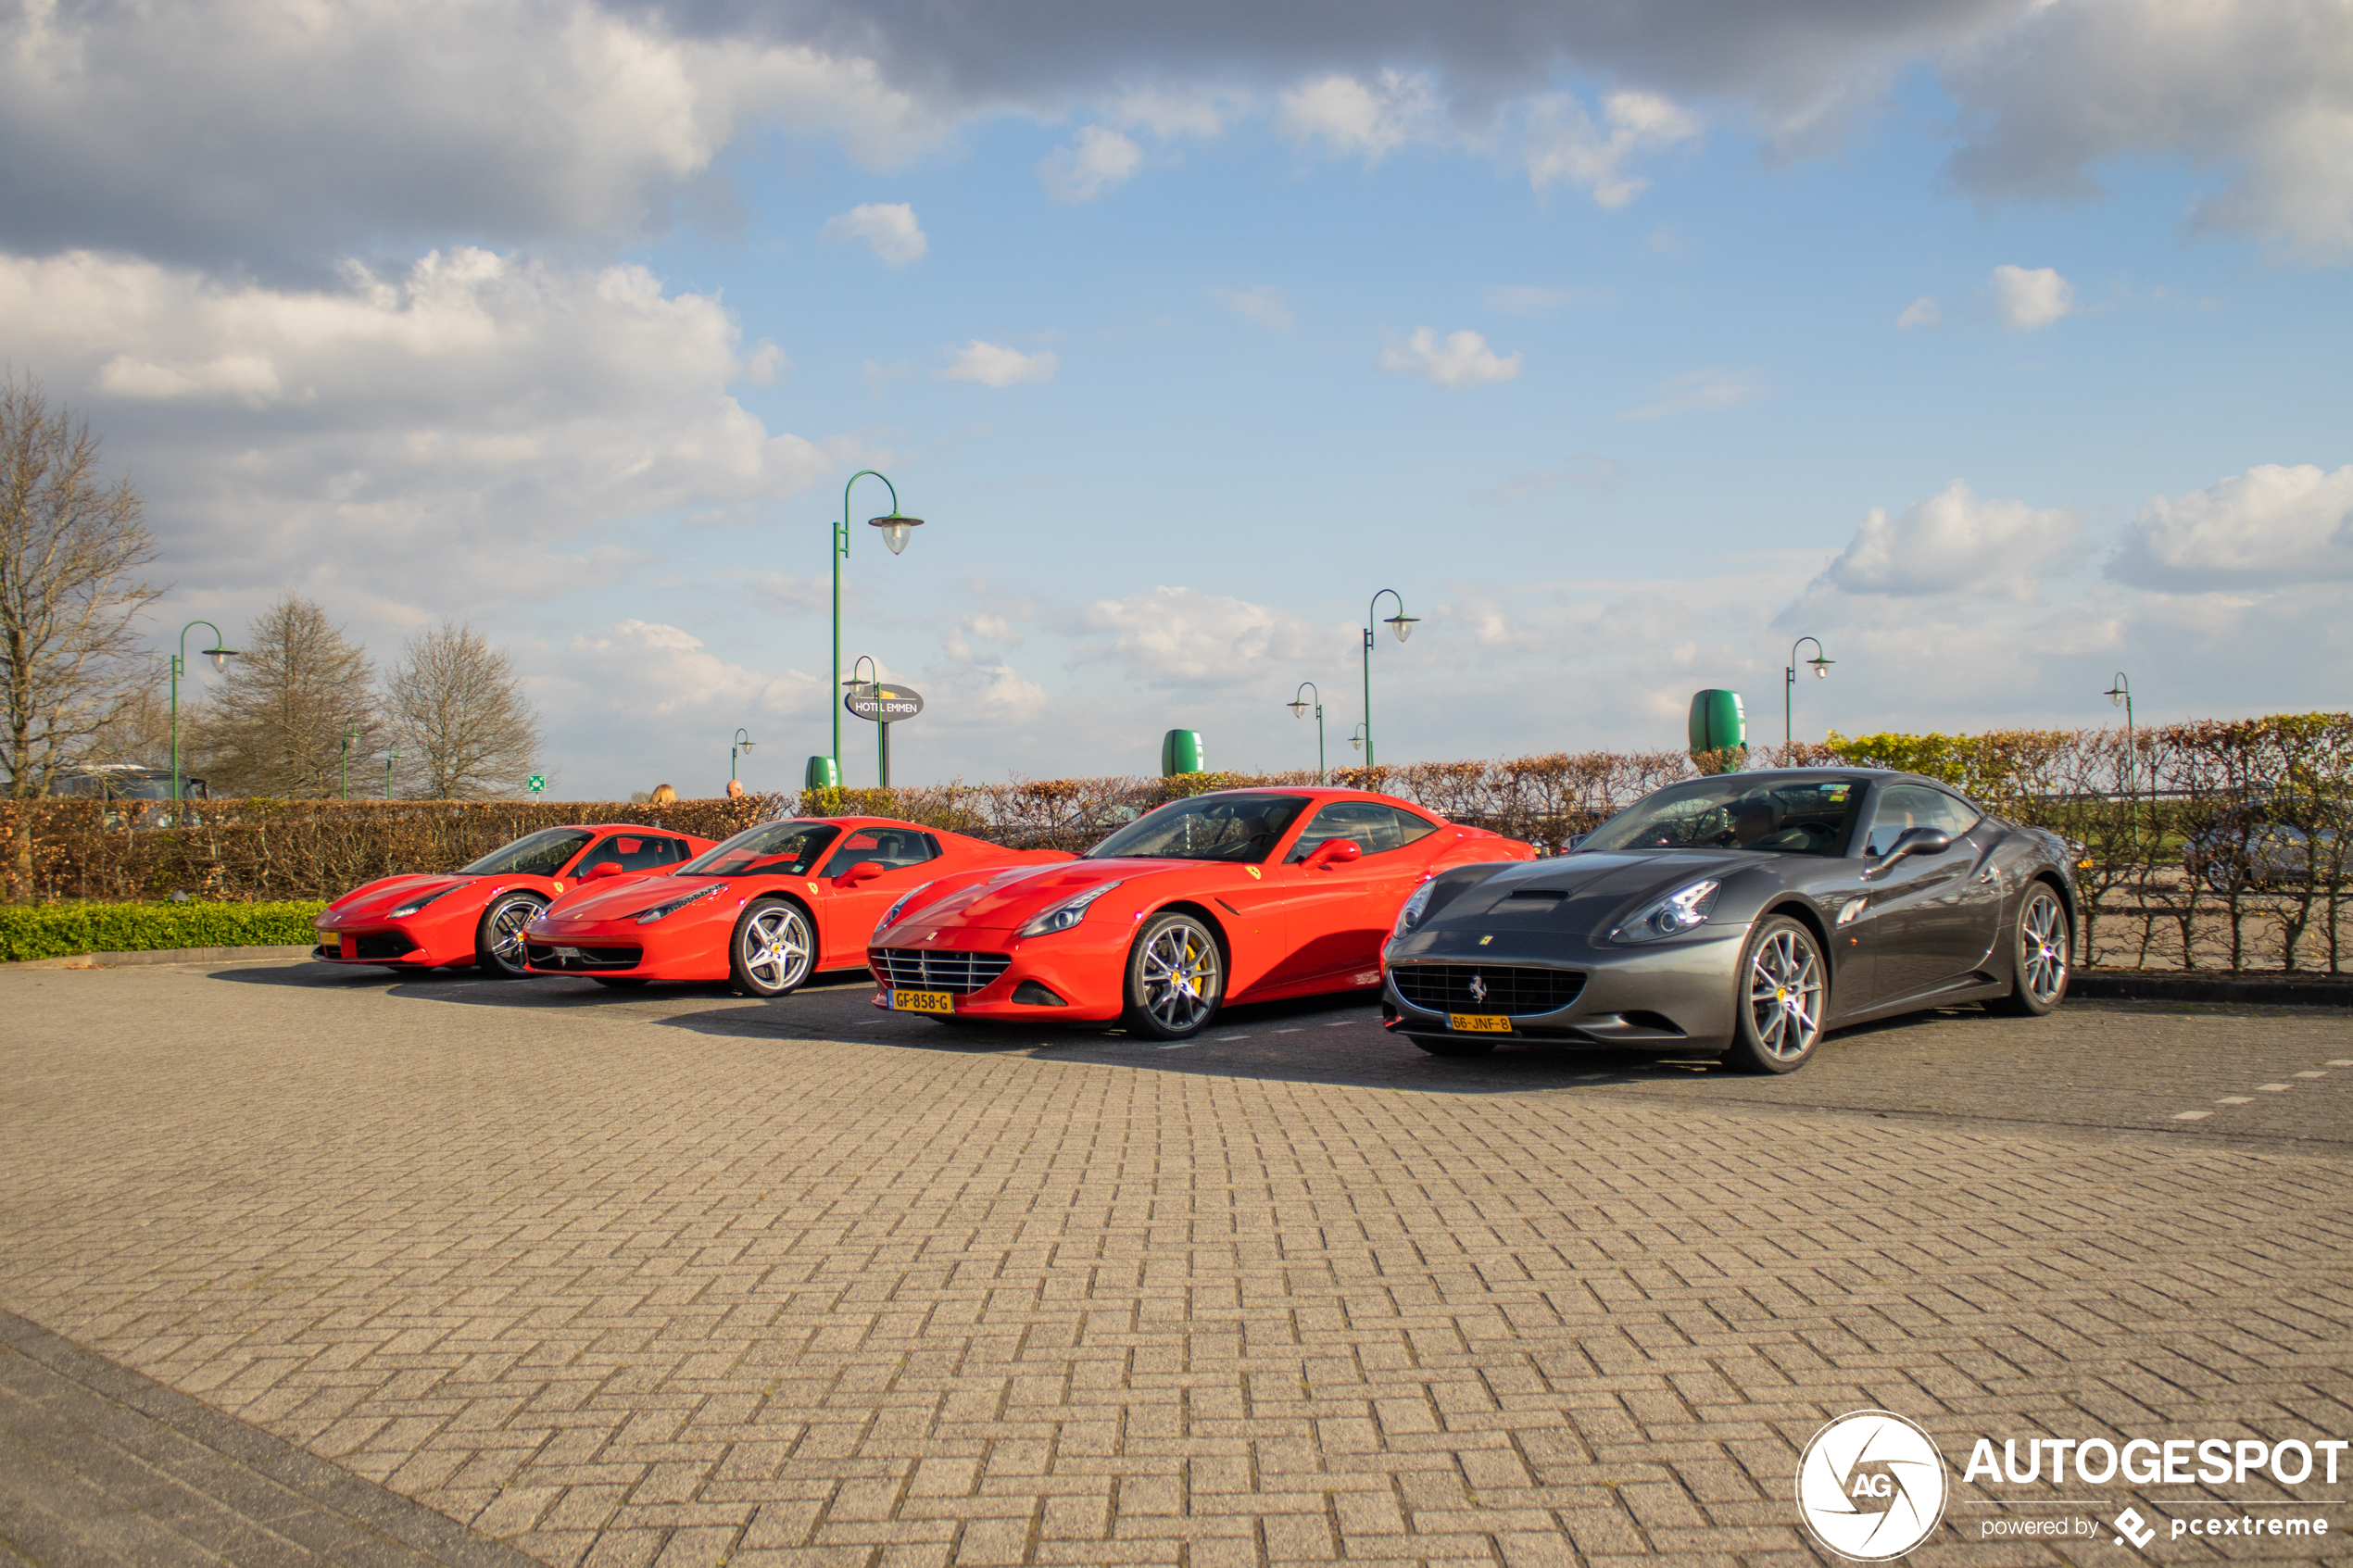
{"points": [[744, 745], [1297, 707], [897, 530], [1821, 666], [2115, 694], [1402, 624], [1356, 742], [220, 656]]}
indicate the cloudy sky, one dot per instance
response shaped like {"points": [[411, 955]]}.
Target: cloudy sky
{"points": [[1999, 343]]}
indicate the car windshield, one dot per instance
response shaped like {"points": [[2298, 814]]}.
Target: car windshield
{"points": [[787, 849], [538, 854], [1242, 828], [1773, 815]]}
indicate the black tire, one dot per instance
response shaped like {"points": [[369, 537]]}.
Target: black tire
{"points": [[772, 949], [619, 982], [1452, 1044], [1779, 995], [1175, 977], [2041, 956], [499, 939]]}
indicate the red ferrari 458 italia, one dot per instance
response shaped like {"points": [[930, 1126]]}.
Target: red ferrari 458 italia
{"points": [[765, 909], [476, 915], [1242, 896]]}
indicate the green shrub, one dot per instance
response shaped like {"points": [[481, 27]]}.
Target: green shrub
{"points": [[51, 931]]}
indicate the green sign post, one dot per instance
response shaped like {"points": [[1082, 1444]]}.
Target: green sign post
{"points": [[536, 783]]}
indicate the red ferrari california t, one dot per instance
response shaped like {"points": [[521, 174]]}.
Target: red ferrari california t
{"points": [[765, 910], [476, 914], [1242, 896]]}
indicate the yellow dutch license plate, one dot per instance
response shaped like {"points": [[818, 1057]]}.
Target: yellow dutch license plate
{"points": [[1479, 1023], [923, 1001]]}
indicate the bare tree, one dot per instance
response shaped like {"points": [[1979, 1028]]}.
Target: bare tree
{"points": [[466, 731], [136, 727], [295, 713], [71, 543]]}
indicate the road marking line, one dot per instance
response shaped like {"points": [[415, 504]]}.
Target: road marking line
{"points": [[2236, 1099], [2312, 1074], [2192, 1115], [1298, 1031], [1339, 1023], [2274, 1088], [2345, 1063], [1589, 1077]]}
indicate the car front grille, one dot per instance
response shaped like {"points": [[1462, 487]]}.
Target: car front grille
{"points": [[555, 956], [921, 969], [1511, 990], [381, 944]]}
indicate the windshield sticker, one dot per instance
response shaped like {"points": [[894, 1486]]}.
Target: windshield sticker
{"points": [[1836, 792]]}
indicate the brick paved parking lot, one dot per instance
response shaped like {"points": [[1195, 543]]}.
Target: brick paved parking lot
{"points": [[668, 1275]]}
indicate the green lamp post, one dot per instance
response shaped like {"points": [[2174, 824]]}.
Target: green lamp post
{"points": [[1789, 681], [1299, 706], [220, 656], [896, 531], [740, 744], [1401, 624], [2120, 695]]}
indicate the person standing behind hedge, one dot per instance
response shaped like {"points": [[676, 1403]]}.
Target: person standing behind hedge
{"points": [[664, 796]]}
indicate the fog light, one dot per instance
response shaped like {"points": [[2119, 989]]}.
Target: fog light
{"points": [[1037, 996]]}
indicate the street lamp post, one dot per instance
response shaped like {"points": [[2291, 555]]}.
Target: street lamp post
{"points": [[896, 531], [1356, 738], [1401, 624], [350, 733], [2120, 695], [1298, 706], [220, 656], [741, 743], [1789, 682], [390, 757]]}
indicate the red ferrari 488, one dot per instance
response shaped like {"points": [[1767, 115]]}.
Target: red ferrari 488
{"points": [[765, 909], [476, 915], [1240, 896]]}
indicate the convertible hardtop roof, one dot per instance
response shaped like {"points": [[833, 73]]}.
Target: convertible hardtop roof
{"points": [[1318, 792]]}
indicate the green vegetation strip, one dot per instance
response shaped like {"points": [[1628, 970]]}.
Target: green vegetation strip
{"points": [[54, 931]]}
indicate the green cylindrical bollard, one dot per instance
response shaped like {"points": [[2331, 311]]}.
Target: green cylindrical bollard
{"points": [[823, 774], [1181, 753], [1719, 725]]}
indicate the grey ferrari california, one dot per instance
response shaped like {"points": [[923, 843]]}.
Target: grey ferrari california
{"points": [[1740, 915]]}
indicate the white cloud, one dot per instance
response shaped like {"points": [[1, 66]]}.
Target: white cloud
{"points": [[1168, 113], [1702, 392], [1182, 637], [1464, 359], [889, 229], [2272, 525], [1953, 543], [1350, 118], [1262, 303], [2259, 90], [1923, 312], [1564, 145], [460, 414], [1101, 160], [218, 128], [2031, 298], [991, 365]]}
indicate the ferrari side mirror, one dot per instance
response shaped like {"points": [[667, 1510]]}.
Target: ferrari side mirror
{"points": [[1914, 841], [1334, 852], [865, 870], [603, 869]]}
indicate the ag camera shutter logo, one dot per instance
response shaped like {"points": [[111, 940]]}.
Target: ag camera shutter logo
{"points": [[1870, 1485]]}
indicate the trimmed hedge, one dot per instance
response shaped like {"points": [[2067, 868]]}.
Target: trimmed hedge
{"points": [[55, 931]]}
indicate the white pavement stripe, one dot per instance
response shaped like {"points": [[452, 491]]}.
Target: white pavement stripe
{"points": [[2236, 1099], [2312, 1074], [2192, 1115], [2272, 1089]]}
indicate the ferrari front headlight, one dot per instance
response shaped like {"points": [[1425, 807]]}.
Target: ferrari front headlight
{"points": [[1684, 909], [1411, 915], [413, 904], [1067, 913], [890, 916], [646, 917]]}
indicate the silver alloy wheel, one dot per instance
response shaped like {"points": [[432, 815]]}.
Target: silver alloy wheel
{"points": [[777, 947], [1179, 976], [1785, 995], [2042, 944], [504, 926]]}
